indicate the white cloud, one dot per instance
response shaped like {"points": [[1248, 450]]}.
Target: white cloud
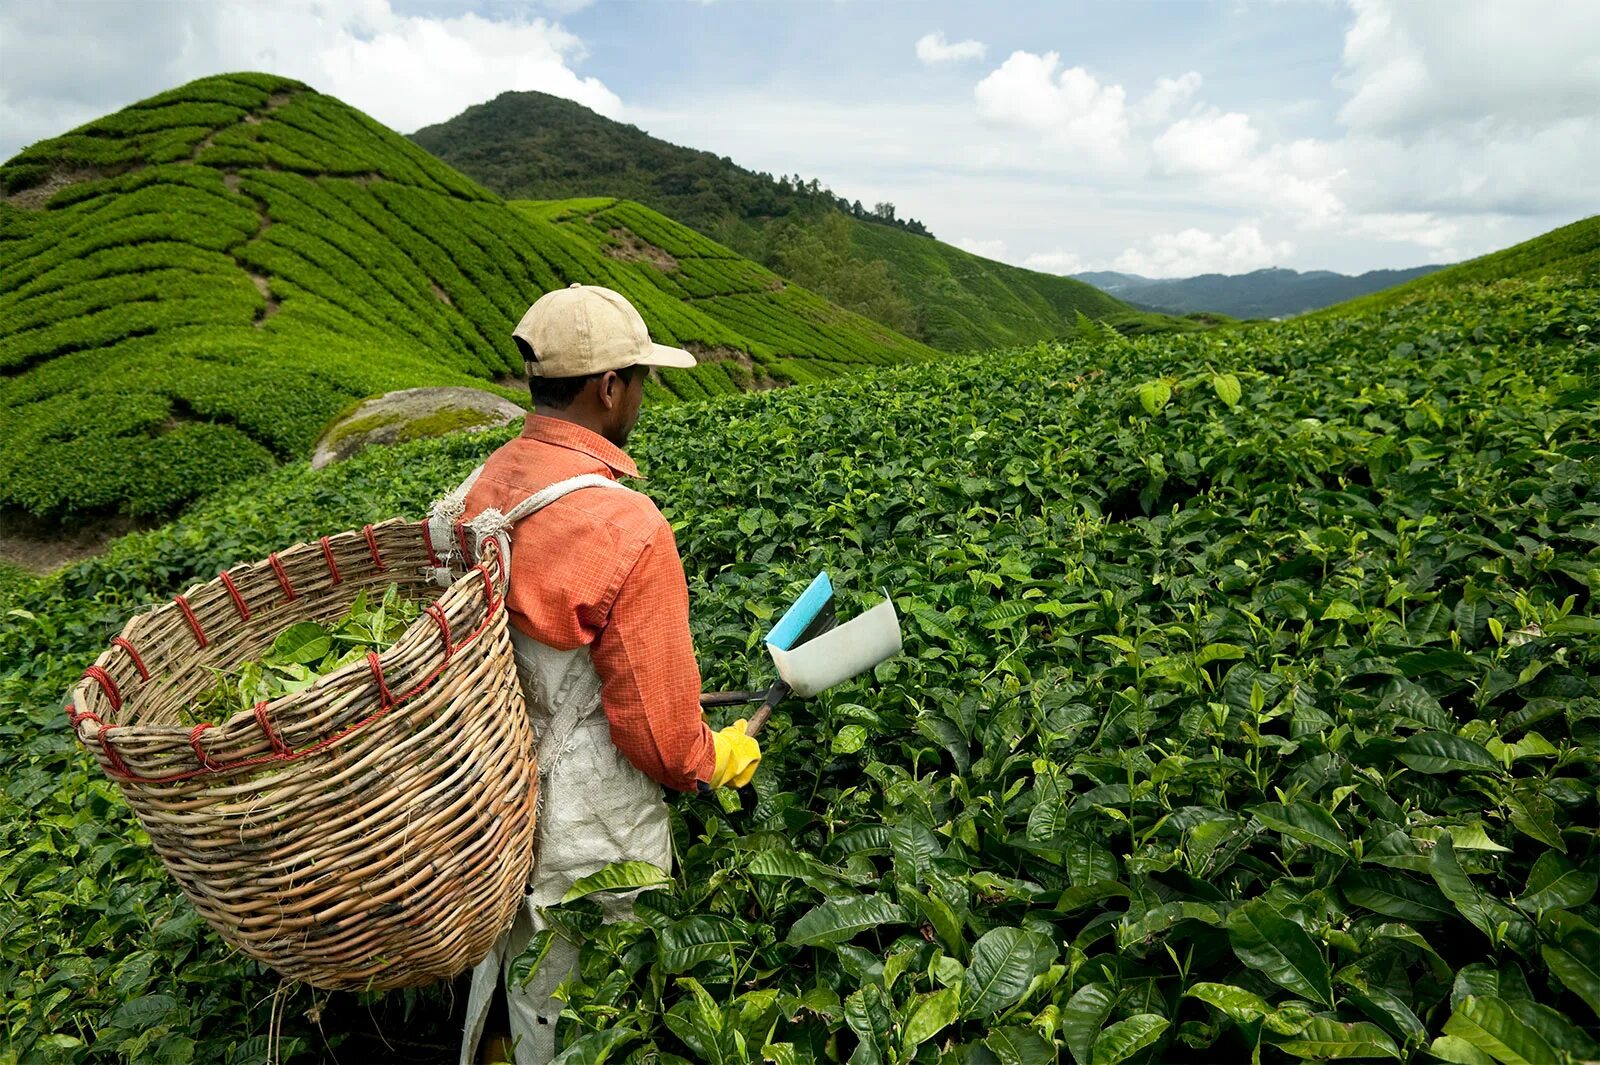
{"points": [[1167, 98], [1409, 66], [989, 249], [933, 48], [80, 61], [1071, 106], [1210, 143], [1056, 262], [1194, 251]]}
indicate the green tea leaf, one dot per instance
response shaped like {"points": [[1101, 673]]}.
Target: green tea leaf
{"points": [[838, 920], [1281, 950], [1237, 1003], [1396, 895], [1326, 1039], [1576, 963], [1443, 752], [849, 739], [303, 643], [1020, 1046], [1305, 822], [1004, 964], [1553, 884], [1490, 1025], [931, 1014], [618, 876], [1227, 388], [1153, 395], [703, 937], [1082, 1018], [1458, 1051], [1127, 1037]]}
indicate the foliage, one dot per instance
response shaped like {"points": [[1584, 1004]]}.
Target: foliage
{"points": [[305, 652], [818, 256], [529, 144], [176, 320], [1248, 705]]}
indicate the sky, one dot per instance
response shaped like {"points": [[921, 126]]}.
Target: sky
{"points": [[1160, 138]]}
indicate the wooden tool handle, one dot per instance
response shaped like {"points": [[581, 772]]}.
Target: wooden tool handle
{"points": [[775, 695], [730, 698]]}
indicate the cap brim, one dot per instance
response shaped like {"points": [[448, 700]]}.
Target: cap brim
{"points": [[661, 355]]}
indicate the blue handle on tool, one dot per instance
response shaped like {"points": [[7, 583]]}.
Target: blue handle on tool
{"points": [[801, 614]]}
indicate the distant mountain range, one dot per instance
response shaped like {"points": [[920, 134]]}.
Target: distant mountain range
{"points": [[530, 145], [1270, 293]]}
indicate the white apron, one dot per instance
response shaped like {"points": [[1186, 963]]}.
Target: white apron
{"points": [[595, 807]]}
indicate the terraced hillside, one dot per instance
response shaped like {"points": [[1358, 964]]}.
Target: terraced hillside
{"points": [[530, 144], [1570, 251], [192, 287]]}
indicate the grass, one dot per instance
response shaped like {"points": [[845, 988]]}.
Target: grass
{"points": [[195, 285]]}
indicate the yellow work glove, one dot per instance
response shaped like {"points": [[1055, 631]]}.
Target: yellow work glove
{"points": [[737, 756]]}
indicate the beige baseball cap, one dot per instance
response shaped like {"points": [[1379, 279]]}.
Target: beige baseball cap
{"points": [[585, 329]]}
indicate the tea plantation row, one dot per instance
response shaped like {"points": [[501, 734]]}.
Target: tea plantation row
{"points": [[1248, 709], [225, 267]]}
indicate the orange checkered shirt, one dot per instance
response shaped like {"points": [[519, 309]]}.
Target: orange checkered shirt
{"points": [[600, 569]]}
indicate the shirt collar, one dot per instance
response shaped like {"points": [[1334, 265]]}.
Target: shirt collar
{"points": [[575, 437]]}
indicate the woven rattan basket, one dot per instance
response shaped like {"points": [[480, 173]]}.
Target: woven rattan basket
{"points": [[372, 831]]}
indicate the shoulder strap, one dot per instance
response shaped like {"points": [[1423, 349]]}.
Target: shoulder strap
{"points": [[448, 509]]}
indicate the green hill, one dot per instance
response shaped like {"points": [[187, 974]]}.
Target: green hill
{"points": [[1570, 251], [536, 146], [192, 287]]}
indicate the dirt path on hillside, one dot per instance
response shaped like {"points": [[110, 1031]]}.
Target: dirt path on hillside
{"points": [[39, 548]]}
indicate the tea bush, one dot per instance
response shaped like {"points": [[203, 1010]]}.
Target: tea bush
{"points": [[1248, 710]]}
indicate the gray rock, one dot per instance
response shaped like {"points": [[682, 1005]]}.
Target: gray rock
{"points": [[410, 414]]}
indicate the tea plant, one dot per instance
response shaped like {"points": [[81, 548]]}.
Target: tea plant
{"points": [[1247, 710]]}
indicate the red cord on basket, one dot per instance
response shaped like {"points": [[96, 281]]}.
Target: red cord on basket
{"points": [[427, 541], [372, 547], [107, 685], [199, 752], [238, 600], [377, 674], [333, 567], [283, 577], [278, 746], [133, 653], [194, 623]]}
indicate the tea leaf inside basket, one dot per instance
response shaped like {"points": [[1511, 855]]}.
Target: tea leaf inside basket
{"points": [[305, 652]]}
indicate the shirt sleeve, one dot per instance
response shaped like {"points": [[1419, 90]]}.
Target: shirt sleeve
{"points": [[649, 680]]}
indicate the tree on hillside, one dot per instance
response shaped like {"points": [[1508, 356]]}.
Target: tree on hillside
{"points": [[817, 255]]}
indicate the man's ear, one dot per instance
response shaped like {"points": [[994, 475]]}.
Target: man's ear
{"points": [[611, 389]]}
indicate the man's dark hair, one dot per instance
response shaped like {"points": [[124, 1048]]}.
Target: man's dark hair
{"points": [[559, 392]]}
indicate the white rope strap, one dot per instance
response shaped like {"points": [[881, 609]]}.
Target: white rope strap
{"points": [[493, 523], [453, 503]]}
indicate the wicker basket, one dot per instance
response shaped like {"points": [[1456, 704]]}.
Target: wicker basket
{"points": [[372, 831]]}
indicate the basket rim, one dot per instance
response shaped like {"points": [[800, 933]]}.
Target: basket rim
{"points": [[89, 728]]}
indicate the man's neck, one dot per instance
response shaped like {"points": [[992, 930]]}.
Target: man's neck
{"points": [[575, 416]]}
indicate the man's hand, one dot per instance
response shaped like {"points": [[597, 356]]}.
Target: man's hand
{"points": [[737, 756]]}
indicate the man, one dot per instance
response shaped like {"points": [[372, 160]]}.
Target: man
{"points": [[599, 613]]}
